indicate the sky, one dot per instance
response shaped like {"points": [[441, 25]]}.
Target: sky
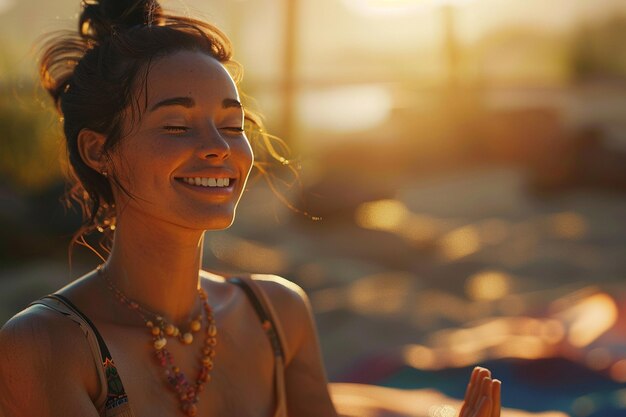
{"points": [[484, 14], [329, 32], [324, 18], [338, 41]]}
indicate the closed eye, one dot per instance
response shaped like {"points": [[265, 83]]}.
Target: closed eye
{"points": [[175, 129], [234, 129]]}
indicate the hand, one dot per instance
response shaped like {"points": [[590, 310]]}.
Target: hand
{"points": [[482, 398]]}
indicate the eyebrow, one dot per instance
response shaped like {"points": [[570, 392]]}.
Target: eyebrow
{"points": [[188, 102], [231, 102]]}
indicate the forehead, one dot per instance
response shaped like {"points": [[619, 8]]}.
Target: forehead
{"points": [[189, 74]]}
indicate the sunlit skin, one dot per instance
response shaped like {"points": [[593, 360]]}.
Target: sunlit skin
{"points": [[199, 135], [482, 397], [157, 260]]}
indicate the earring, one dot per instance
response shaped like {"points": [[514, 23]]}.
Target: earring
{"points": [[105, 174]]}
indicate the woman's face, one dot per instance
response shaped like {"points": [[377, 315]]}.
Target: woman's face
{"points": [[183, 146]]}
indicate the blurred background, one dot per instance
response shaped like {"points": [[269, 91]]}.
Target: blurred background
{"points": [[463, 174]]}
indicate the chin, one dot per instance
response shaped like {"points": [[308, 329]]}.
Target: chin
{"points": [[214, 227], [219, 223]]}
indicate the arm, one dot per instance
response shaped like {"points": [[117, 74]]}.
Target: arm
{"points": [[305, 377], [306, 384], [40, 367]]}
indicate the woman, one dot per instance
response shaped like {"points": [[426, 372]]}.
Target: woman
{"points": [[155, 134]]}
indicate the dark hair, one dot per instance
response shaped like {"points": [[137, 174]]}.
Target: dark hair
{"points": [[91, 75]]}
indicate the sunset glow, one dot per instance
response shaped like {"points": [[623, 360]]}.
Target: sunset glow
{"points": [[397, 7], [590, 318]]}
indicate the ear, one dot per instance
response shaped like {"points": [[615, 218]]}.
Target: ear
{"points": [[91, 149]]}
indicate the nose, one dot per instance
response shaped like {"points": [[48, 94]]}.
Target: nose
{"points": [[213, 145]]}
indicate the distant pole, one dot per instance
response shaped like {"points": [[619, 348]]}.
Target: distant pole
{"points": [[453, 99], [289, 71], [451, 46]]}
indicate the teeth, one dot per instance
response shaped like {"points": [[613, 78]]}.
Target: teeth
{"points": [[207, 182]]}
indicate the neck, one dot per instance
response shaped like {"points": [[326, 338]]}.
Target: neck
{"points": [[158, 266]]}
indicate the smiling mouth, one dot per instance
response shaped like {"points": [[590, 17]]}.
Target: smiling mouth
{"points": [[208, 182]]}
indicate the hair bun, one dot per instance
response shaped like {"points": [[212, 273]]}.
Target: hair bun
{"points": [[101, 18]]}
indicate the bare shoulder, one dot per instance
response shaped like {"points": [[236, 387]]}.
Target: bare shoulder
{"points": [[305, 376], [286, 296], [290, 303], [35, 331], [42, 367], [292, 306], [280, 287]]}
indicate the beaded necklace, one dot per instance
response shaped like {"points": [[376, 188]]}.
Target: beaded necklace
{"points": [[159, 329]]}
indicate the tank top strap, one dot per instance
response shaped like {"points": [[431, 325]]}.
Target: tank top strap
{"points": [[271, 324], [112, 400]]}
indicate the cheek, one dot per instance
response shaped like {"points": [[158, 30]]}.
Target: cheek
{"points": [[245, 150], [142, 161]]}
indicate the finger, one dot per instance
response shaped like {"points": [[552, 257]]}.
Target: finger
{"points": [[484, 408], [484, 395], [476, 373], [471, 386], [475, 396], [483, 390], [474, 412], [495, 396], [471, 411], [472, 381], [485, 387], [476, 404]]}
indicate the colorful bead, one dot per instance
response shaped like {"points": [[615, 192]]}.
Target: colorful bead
{"points": [[160, 343], [186, 393]]}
